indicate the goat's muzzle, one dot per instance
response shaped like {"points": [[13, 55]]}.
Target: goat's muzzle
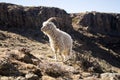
{"points": [[41, 29]]}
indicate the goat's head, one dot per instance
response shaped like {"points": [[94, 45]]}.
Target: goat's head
{"points": [[48, 26]]}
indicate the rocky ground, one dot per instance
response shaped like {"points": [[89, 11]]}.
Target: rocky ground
{"points": [[25, 53], [23, 58]]}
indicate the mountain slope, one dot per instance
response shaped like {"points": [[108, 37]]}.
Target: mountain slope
{"points": [[26, 53]]}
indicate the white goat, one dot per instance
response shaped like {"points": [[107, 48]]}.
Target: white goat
{"points": [[59, 41]]}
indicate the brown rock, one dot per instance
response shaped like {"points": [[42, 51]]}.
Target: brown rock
{"points": [[13, 63], [47, 78], [20, 78], [101, 28], [105, 23], [6, 78], [110, 76], [7, 68], [2, 36], [31, 76], [31, 17], [23, 55]]}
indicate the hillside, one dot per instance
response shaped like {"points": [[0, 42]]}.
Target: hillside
{"points": [[25, 53]]}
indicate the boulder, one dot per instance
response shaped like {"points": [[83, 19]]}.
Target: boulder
{"points": [[7, 68], [110, 76], [20, 78], [31, 76], [48, 78]]}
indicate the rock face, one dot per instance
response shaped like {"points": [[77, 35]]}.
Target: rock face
{"points": [[106, 26], [105, 23], [31, 17]]}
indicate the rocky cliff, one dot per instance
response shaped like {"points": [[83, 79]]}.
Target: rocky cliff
{"points": [[105, 26], [105, 23], [30, 17]]}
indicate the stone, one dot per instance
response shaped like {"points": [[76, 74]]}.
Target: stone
{"points": [[47, 78], [2, 36], [110, 76], [6, 78], [20, 78], [31, 76], [7, 68]]}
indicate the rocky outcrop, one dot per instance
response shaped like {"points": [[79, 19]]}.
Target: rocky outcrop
{"points": [[18, 63], [105, 26], [105, 23], [30, 17]]}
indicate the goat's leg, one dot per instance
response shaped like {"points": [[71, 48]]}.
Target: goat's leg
{"points": [[62, 55], [56, 55], [67, 54]]}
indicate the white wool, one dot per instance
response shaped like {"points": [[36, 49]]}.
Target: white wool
{"points": [[60, 41]]}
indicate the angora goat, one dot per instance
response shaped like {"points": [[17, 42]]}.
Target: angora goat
{"points": [[60, 41]]}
